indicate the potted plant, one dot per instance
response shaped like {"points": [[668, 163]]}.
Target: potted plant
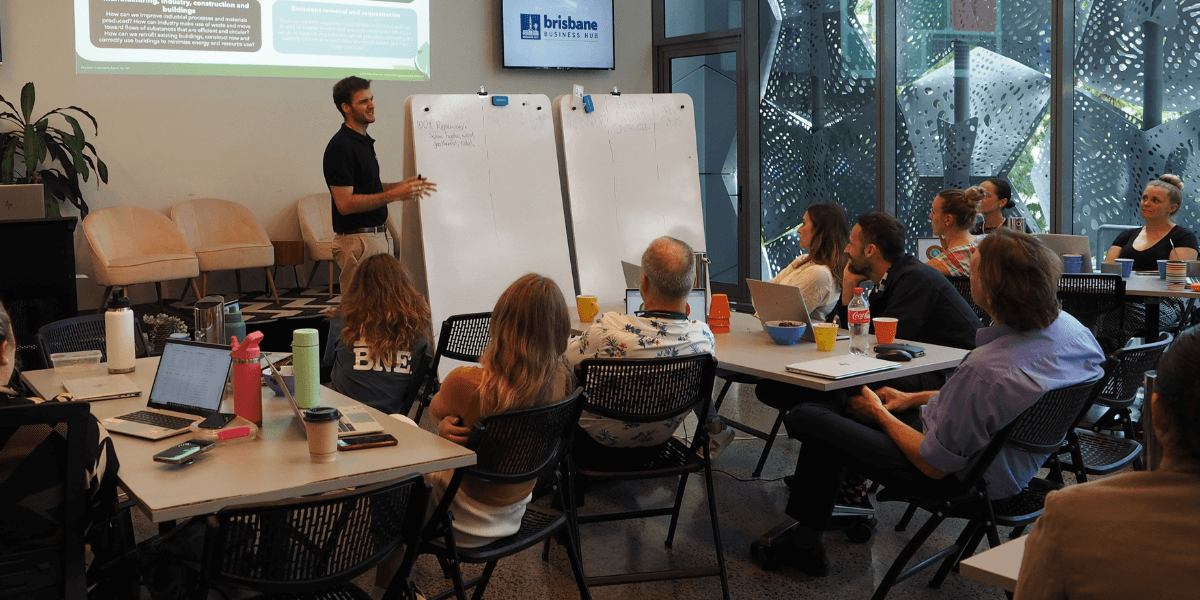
{"points": [[35, 152]]}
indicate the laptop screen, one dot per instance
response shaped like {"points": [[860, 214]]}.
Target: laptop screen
{"points": [[191, 377], [696, 309]]}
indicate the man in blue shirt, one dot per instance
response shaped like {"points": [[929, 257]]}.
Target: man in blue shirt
{"points": [[924, 439]]}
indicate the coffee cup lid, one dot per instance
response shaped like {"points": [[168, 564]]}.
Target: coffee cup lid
{"points": [[322, 414]]}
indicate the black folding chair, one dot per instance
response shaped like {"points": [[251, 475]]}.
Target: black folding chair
{"points": [[511, 447], [649, 391], [82, 333], [1040, 429], [463, 337], [41, 552], [314, 547], [962, 284]]}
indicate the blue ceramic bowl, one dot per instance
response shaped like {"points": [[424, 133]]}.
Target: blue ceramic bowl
{"points": [[784, 336]]}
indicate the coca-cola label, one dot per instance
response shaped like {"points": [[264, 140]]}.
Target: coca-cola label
{"points": [[858, 317]]}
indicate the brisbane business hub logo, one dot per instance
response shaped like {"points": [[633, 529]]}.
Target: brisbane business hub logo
{"points": [[542, 27]]}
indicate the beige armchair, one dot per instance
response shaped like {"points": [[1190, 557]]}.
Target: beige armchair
{"points": [[225, 237], [316, 223], [138, 245]]}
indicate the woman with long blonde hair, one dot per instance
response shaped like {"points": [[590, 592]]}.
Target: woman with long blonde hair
{"points": [[378, 334], [823, 232], [522, 367]]}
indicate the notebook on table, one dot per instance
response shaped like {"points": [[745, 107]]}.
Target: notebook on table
{"points": [[841, 366], [188, 387], [355, 420]]}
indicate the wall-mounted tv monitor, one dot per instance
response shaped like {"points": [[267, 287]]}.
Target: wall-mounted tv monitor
{"points": [[558, 34]]}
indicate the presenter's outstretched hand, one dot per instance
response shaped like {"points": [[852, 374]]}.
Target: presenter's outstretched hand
{"points": [[414, 188]]}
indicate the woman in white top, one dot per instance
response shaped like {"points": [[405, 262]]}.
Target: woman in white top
{"points": [[824, 233]]}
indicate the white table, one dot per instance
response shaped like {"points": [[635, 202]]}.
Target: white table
{"points": [[998, 566], [275, 466], [748, 349]]}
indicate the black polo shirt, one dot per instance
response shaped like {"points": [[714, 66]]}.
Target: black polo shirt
{"points": [[350, 162]]}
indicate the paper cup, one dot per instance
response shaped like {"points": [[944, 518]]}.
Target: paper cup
{"points": [[1072, 263], [1162, 269], [719, 307], [588, 308], [1126, 266], [826, 335], [321, 426], [885, 329]]}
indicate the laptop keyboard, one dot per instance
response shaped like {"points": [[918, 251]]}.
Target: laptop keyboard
{"points": [[157, 420], [344, 427]]}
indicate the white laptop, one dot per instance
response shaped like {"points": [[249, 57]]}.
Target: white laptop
{"points": [[779, 302], [356, 419], [1069, 244], [633, 274], [188, 387], [696, 308], [841, 366], [22, 202], [104, 387]]}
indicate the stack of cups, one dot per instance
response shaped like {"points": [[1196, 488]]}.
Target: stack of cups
{"points": [[718, 314], [1176, 274], [1072, 263]]}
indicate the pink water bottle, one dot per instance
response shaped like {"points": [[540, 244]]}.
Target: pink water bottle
{"points": [[247, 378]]}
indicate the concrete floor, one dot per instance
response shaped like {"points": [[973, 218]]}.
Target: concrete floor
{"points": [[746, 508]]}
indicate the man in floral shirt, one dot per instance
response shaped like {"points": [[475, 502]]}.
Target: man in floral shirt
{"points": [[663, 329]]}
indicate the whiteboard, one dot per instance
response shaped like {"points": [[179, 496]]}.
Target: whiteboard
{"points": [[631, 175], [498, 212]]}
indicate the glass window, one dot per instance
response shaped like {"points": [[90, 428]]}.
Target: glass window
{"points": [[818, 114], [687, 17], [1136, 79], [973, 95]]}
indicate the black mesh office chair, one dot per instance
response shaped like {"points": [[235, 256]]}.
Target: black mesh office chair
{"points": [[648, 391], [82, 333], [314, 547], [511, 447], [463, 337], [962, 284], [1040, 429], [1097, 300], [41, 552]]}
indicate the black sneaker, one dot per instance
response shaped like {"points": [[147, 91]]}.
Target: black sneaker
{"points": [[812, 561]]}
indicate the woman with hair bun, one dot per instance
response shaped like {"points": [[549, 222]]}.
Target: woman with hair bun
{"points": [[952, 216], [997, 199], [1160, 238]]}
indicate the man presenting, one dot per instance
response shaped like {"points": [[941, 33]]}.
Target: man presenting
{"points": [[358, 196]]}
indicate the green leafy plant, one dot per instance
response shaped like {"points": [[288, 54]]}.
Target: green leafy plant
{"points": [[36, 152]]}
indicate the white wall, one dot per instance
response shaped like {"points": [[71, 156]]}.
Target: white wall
{"points": [[259, 141]]}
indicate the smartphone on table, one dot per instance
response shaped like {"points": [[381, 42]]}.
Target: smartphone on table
{"points": [[358, 442], [185, 452]]}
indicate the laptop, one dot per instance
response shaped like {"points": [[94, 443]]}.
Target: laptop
{"points": [[22, 202], [696, 308], [1069, 244], [188, 387], [633, 274], [928, 248], [779, 302], [104, 387], [841, 366], [356, 420]]}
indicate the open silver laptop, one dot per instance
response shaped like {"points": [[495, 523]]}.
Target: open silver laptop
{"points": [[22, 202], [696, 309], [779, 302], [188, 387], [356, 419], [1069, 244]]}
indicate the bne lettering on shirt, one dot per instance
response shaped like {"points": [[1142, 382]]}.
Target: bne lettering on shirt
{"points": [[363, 362]]}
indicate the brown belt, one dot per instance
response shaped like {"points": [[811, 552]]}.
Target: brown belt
{"points": [[378, 229]]}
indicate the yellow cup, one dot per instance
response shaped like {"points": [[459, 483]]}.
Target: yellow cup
{"points": [[826, 335], [588, 308]]}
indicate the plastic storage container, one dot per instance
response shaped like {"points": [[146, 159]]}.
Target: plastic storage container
{"points": [[75, 362]]}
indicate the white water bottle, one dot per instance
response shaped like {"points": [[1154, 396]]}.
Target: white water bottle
{"points": [[858, 315], [118, 335]]}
